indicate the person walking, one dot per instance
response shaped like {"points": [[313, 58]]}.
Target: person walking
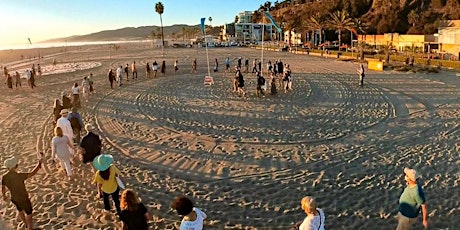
{"points": [[9, 81], [163, 68], [77, 124], [216, 66], [227, 64], [76, 95], [85, 88], [361, 75], [91, 145], [17, 79], [193, 217], [66, 127], [246, 65], [134, 214], [155, 68], [260, 83], [254, 66], [19, 196], [194, 66], [127, 72], [60, 146], [90, 81], [147, 71], [105, 178], [120, 76], [315, 216], [411, 201], [66, 101], [57, 107], [241, 83], [111, 77], [176, 67], [134, 70]]}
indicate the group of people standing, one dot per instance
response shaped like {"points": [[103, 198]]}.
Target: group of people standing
{"points": [[15, 81]]}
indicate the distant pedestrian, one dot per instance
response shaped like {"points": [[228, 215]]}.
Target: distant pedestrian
{"points": [[39, 69], [66, 101], [76, 95], [19, 196], [361, 75], [57, 107], [106, 181], [134, 214], [163, 67], [193, 217], [147, 71], [127, 72], [91, 83], [17, 79], [134, 69], [120, 76], [411, 201], [155, 68], [227, 64], [241, 83], [239, 62], [246, 65], [260, 84], [176, 67], [9, 81], [273, 85], [216, 66], [254, 66], [85, 88], [194, 65], [111, 77], [32, 79]]}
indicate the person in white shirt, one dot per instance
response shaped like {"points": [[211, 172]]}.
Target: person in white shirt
{"points": [[66, 127], [192, 217], [120, 75], [315, 216]]}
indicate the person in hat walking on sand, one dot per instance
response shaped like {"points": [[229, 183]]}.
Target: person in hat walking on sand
{"points": [[315, 216], [14, 181], [66, 127], [77, 124], [411, 201], [90, 145], [192, 216], [106, 181]]}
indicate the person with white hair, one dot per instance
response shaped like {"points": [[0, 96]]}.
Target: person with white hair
{"points": [[315, 216], [411, 201], [120, 75]]}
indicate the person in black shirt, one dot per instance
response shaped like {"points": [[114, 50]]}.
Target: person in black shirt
{"points": [[134, 214], [90, 145]]}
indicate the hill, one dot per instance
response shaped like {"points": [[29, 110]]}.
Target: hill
{"points": [[135, 33]]}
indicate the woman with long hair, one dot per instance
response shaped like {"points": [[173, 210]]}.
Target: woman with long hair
{"points": [[106, 181], [76, 95], [57, 107], [60, 148], [134, 214]]}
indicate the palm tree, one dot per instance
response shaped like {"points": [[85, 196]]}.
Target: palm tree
{"points": [[159, 8], [340, 21], [316, 21], [210, 21], [236, 19]]}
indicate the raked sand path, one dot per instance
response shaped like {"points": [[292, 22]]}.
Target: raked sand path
{"points": [[245, 162]]}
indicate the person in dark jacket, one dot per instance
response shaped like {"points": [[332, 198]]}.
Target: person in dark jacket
{"points": [[90, 146]]}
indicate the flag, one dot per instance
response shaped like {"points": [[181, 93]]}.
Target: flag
{"points": [[29, 41], [202, 25], [273, 22]]}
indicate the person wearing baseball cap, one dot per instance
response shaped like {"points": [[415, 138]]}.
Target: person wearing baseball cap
{"points": [[411, 201], [14, 181]]}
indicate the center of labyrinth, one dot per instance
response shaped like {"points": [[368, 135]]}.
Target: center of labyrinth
{"points": [[320, 108]]}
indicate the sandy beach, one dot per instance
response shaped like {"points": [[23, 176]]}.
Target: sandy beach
{"points": [[246, 162]]}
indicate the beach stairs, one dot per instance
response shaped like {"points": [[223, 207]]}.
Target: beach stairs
{"points": [[208, 81]]}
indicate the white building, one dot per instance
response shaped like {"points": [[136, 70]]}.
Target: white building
{"points": [[246, 31]]}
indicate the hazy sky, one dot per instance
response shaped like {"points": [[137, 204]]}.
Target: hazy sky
{"points": [[45, 19]]}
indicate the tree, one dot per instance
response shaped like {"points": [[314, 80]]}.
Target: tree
{"points": [[316, 21], [159, 8], [210, 21], [236, 19], [340, 22], [413, 17]]}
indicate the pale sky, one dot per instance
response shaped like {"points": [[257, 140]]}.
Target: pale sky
{"points": [[45, 19]]}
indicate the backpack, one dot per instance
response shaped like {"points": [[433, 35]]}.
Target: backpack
{"points": [[75, 123], [261, 80]]}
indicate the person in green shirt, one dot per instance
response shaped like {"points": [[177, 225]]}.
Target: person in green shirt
{"points": [[411, 201]]}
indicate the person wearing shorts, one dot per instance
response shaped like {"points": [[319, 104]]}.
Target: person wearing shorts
{"points": [[14, 181]]}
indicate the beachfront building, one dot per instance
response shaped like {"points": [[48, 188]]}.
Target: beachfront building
{"points": [[228, 32], [296, 38], [248, 32], [449, 38]]}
